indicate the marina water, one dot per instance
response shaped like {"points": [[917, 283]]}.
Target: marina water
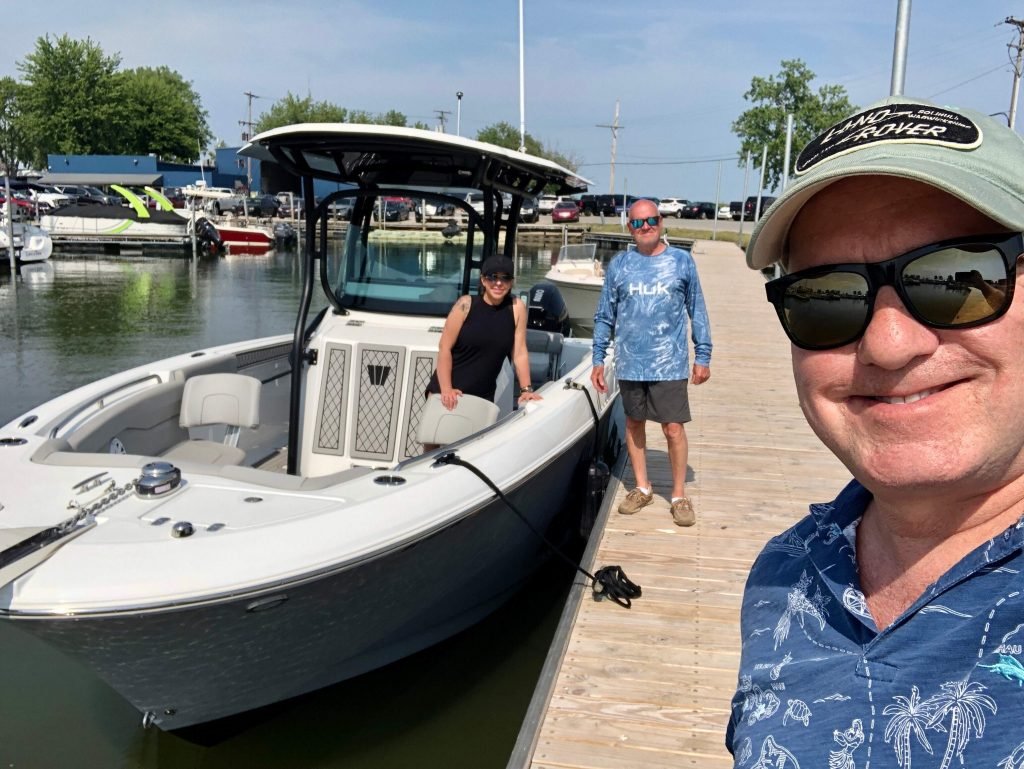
{"points": [[460, 704]]}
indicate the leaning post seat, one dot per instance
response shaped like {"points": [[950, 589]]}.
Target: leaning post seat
{"points": [[232, 400], [439, 426], [545, 348]]}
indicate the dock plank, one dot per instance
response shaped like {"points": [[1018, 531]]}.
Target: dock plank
{"points": [[651, 686]]}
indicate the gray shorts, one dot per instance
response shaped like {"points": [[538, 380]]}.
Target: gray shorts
{"points": [[661, 402]]}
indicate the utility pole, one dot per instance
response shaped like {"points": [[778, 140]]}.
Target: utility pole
{"points": [[246, 136], [442, 118], [1016, 62], [615, 136]]}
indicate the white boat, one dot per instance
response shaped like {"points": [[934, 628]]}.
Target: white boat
{"points": [[304, 538], [135, 220], [579, 277], [31, 243]]}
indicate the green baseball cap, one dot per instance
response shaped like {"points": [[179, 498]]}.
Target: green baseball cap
{"points": [[960, 151]]}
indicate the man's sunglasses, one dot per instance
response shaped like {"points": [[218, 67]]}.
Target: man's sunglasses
{"points": [[652, 221], [498, 277], [957, 283]]}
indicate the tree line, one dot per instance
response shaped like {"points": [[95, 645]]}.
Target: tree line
{"points": [[73, 98]]}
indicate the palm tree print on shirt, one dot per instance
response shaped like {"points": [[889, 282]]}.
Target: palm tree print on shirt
{"points": [[963, 702]]}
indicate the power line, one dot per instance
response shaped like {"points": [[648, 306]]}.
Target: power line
{"points": [[665, 162], [965, 82]]}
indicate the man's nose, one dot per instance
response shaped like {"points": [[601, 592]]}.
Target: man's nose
{"points": [[894, 337]]}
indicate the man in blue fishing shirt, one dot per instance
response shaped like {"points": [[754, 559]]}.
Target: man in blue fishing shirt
{"points": [[651, 294], [886, 629]]}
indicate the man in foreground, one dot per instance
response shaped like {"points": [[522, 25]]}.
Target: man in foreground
{"points": [[650, 295], [887, 627]]}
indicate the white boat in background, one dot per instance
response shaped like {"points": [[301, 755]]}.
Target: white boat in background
{"points": [[134, 221], [31, 243], [579, 277], [228, 528]]}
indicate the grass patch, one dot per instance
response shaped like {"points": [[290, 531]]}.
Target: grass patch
{"points": [[693, 232]]}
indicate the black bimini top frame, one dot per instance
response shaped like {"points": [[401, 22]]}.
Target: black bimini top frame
{"points": [[378, 160]]}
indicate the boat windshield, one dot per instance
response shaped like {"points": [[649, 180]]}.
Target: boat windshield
{"points": [[397, 272]]}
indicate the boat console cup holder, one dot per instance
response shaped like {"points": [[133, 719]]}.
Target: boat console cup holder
{"points": [[158, 478], [12, 442], [389, 480]]}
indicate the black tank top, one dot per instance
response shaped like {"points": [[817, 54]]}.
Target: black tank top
{"points": [[485, 341]]}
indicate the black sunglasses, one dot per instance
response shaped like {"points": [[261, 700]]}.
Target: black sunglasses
{"points": [[636, 224], [498, 277], [958, 283]]}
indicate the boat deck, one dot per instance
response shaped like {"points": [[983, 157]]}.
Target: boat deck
{"points": [[651, 687]]}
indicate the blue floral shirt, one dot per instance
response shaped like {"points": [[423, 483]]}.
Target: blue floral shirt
{"points": [[645, 303], [821, 688]]}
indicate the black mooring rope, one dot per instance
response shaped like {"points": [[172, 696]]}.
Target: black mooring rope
{"points": [[610, 581]]}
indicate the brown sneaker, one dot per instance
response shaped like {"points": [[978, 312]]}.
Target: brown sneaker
{"points": [[634, 501], [682, 512]]}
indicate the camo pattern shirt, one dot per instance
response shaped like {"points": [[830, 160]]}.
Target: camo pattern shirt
{"points": [[820, 687], [646, 303]]}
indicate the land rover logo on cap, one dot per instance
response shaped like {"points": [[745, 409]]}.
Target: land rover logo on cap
{"points": [[891, 124]]}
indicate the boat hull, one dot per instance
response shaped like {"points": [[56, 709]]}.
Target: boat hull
{"points": [[580, 299], [197, 663]]}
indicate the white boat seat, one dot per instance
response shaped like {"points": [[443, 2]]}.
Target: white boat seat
{"points": [[545, 348], [232, 400], [439, 426]]}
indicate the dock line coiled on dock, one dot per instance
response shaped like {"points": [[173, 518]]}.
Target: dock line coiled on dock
{"points": [[610, 581]]}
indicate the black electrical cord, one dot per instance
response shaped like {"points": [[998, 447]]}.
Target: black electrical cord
{"points": [[610, 581]]}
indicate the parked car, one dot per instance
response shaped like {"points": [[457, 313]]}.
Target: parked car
{"points": [[606, 204], [528, 212], [565, 211], [395, 210], [262, 206], [21, 208], [700, 210], [228, 201], [672, 207], [433, 208], [736, 210], [45, 195], [724, 212], [340, 209], [750, 206], [623, 203], [589, 205], [86, 195], [546, 203]]}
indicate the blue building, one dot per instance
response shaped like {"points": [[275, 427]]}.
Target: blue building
{"points": [[229, 170]]}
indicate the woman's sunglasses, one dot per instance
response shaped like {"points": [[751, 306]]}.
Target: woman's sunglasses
{"points": [[652, 221], [957, 283], [498, 277]]}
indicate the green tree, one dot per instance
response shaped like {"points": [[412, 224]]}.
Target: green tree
{"points": [[292, 109], [70, 98], [13, 139], [788, 92], [504, 134], [162, 114]]}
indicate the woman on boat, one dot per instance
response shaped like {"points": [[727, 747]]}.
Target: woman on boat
{"points": [[479, 334]]}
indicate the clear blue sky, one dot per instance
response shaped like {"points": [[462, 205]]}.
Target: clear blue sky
{"points": [[679, 68]]}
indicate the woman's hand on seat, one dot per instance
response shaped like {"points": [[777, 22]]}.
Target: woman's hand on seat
{"points": [[450, 398]]}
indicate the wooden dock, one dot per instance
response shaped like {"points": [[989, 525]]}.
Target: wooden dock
{"points": [[651, 686]]}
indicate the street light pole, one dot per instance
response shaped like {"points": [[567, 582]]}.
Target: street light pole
{"points": [[458, 114]]}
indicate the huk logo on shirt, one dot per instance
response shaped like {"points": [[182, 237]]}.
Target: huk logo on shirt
{"points": [[644, 289]]}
